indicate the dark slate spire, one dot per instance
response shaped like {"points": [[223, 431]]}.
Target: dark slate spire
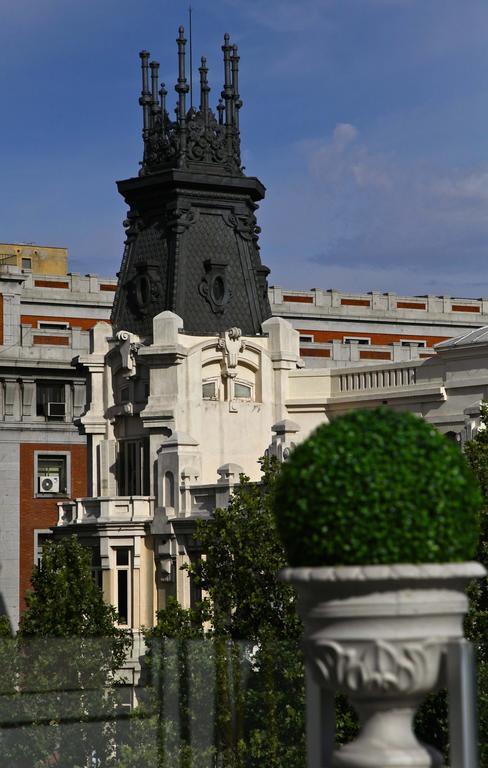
{"points": [[192, 236]]}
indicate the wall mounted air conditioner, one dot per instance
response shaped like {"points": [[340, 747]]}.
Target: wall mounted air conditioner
{"points": [[48, 483], [56, 409]]}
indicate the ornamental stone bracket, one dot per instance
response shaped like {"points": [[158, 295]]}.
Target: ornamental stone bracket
{"points": [[231, 344], [129, 343]]}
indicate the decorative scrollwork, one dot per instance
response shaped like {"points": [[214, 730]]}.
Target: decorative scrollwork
{"points": [[200, 139], [246, 226], [381, 666], [214, 286], [133, 224]]}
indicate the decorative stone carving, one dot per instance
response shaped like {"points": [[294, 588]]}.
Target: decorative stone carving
{"points": [[181, 219], [214, 286], [231, 345], [129, 344], [144, 290], [246, 226], [378, 634], [379, 667], [133, 224]]}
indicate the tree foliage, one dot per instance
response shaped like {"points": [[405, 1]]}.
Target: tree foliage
{"points": [[240, 646], [62, 704], [243, 555]]}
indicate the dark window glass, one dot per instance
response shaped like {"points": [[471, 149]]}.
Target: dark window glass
{"points": [[133, 467], [50, 392], [122, 556], [123, 596]]}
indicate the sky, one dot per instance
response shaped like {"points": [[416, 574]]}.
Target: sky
{"points": [[366, 120]]}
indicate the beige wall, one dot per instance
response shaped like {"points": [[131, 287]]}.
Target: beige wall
{"points": [[44, 260]]}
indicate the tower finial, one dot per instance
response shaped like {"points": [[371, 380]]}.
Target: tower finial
{"points": [[191, 56], [182, 89], [154, 87], [235, 85], [145, 97], [204, 89], [227, 92]]}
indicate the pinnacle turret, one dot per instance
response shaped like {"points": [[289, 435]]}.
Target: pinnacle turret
{"points": [[196, 138]]}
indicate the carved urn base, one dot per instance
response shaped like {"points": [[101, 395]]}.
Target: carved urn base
{"points": [[378, 635]]}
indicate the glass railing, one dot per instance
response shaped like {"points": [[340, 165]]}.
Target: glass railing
{"points": [[205, 703]]}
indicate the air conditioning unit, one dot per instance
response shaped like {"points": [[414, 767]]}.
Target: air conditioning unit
{"points": [[56, 410], [48, 483]]}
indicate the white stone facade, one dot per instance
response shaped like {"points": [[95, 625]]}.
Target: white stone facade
{"points": [[171, 426]]}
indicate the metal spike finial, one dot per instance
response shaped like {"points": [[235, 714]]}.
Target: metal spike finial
{"points": [[162, 94], [182, 89], [227, 92], [145, 97], [154, 86], [204, 89], [191, 55], [235, 85], [220, 110]]}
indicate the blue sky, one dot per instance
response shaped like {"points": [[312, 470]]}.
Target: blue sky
{"points": [[367, 121]]}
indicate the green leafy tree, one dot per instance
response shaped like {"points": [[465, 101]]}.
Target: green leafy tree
{"points": [[242, 643], [243, 555], [69, 650]]}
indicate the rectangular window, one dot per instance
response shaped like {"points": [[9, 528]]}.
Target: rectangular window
{"points": [[133, 467], [41, 537], [26, 263], [51, 400], [242, 391], [123, 585], [209, 390], [96, 567], [414, 343], [306, 338], [51, 474], [356, 340], [195, 589], [52, 325]]}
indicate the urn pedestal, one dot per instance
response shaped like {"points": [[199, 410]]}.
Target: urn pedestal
{"points": [[379, 634]]}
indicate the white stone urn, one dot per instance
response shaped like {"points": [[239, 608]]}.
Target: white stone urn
{"points": [[378, 634]]}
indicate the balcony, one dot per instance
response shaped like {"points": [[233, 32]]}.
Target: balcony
{"points": [[123, 509]]}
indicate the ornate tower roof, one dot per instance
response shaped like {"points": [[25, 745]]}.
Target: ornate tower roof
{"points": [[197, 138], [192, 237]]}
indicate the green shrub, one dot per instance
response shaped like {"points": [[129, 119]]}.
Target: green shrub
{"points": [[376, 486]]}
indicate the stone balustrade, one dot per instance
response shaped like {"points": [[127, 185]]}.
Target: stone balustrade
{"points": [[111, 509], [362, 379]]}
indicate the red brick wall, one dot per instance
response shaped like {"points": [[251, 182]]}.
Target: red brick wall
{"points": [[381, 339], [60, 341], [74, 322], [50, 284], [42, 512]]}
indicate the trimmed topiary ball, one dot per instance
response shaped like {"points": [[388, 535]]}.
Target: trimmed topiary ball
{"points": [[377, 487]]}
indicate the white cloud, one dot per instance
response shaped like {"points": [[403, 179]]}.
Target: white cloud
{"points": [[343, 159], [470, 187], [362, 220]]}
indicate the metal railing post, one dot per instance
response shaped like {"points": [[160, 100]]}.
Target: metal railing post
{"points": [[461, 691]]}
